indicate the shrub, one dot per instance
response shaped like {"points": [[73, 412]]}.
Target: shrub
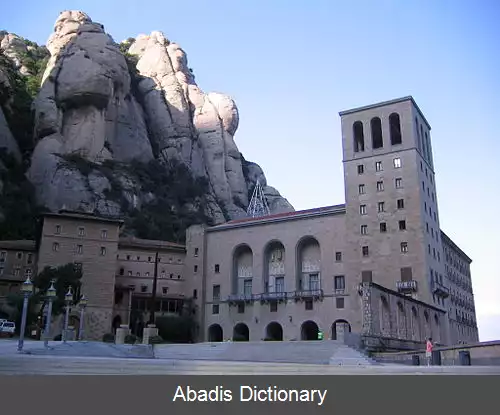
{"points": [[155, 340], [108, 338], [175, 329], [131, 339]]}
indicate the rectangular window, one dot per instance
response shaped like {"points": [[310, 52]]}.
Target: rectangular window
{"points": [[338, 256], [215, 308], [81, 231], [361, 189], [216, 293], [309, 304], [144, 288], [427, 226], [423, 186], [55, 247], [104, 234], [404, 247], [103, 251], [247, 287], [383, 227], [399, 183], [17, 271], [402, 225], [361, 169], [130, 273], [196, 250], [3, 257], [147, 274], [279, 284], [29, 259], [273, 306], [339, 282], [58, 229], [196, 268], [362, 209], [365, 251], [364, 229], [397, 163], [378, 166], [79, 249], [380, 186], [217, 268], [401, 204], [381, 206], [314, 282], [19, 255], [339, 302], [195, 294], [406, 274], [241, 308]]}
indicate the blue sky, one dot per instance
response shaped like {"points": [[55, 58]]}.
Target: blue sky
{"points": [[291, 66]]}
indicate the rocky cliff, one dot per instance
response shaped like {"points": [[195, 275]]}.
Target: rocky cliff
{"points": [[124, 130]]}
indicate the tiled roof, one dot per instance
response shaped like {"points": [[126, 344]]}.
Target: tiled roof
{"points": [[24, 245], [294, 214]]}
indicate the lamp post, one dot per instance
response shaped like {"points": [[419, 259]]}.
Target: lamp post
{"points": [[83, 304], [67, 299], [27, 290], [51, 294]]}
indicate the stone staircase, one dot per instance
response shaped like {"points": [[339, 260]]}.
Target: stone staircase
{"points": [[327, 352]]}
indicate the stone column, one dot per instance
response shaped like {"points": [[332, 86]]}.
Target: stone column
{"points": [[121, 333], [148, 332]]}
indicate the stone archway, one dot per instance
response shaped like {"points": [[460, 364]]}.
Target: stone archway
{"points": [[309, 330], [339, 328], [274, 331], [215, 333], [241, 332]]}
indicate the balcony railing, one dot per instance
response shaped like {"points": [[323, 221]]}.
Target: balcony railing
{"points": [[407, 286], [308, 294], [242, 298], [274, 296], [440, 290]]}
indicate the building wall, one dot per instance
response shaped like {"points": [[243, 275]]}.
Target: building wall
{"points": [[63, 242]]}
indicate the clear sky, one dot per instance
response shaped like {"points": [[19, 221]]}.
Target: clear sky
{"points": [[291, 66]]}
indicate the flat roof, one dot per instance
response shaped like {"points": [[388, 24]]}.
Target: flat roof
{"points": [[448, 240], [69, 214], [21, 245], [137, 243], [385, 103], [279, 217]]}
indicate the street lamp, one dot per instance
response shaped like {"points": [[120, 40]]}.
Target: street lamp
{"points": [[27, 290], [83, 304], [68, 298], [51, 294]]}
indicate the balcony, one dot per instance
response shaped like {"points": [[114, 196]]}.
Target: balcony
{"points": [[406, 286], [440, 290], [273, 296], [241, 298], [303, 295]]}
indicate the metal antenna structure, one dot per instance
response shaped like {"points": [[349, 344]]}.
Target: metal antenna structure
{"points": [[258, 205]]}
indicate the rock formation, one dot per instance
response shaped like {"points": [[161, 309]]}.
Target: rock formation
{"points": [[110, 104]]}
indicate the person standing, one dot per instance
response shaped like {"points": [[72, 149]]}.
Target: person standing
{"points": [[428, 351]]}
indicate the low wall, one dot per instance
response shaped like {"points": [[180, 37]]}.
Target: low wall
{"points": [[481, 354]]}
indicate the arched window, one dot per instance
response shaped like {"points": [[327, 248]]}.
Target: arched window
{"points": [[395, 129], [424, 149], [359, 137], [376, 127], [419, 137]]}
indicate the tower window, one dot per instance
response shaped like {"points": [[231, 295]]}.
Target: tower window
{"points": [[404, 247], [381, 206], [362, 210], [217, 268], [361, 169], [364, 229], [402, 225], [401, 204], [418, 135], [361, 189], [376, 127], [380, 186], [378, 166], [338, 256], [397, 163], [399, 183], [365, 251], [359, 138], [395, 129], [383, 227]]}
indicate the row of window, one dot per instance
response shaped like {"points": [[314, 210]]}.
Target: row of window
{"points": [[403, 246], [383, 227], [19, 257], [16, 272], [78, 249], [396, 163], [455, 261], [163, 274], [81, 231], [363, 210], [398, 184], [376, 132], [149, 259]]}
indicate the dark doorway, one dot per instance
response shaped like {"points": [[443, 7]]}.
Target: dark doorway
{"points": [[215, 333], [274, 332], [117, 321], [339, 328], [309, 331], [241, 332]]}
